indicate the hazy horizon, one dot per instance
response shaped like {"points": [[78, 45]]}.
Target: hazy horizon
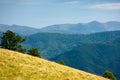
{"points": [[37, 27], [42, 13]]}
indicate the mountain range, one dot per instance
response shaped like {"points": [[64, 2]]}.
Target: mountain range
{"points": [[80, 28]]}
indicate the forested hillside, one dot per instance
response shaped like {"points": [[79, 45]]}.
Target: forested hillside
{"points": [[93, 57], [56, 44]]}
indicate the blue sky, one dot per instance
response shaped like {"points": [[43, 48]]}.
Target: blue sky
{"points": [[41, 13]]}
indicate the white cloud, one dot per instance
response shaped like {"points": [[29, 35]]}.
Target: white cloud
{"points": [[108, 6]]}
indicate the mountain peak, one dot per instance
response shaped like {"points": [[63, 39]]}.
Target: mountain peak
{"points": [[94, 22]]}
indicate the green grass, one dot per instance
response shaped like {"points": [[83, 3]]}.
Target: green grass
{"points": [[17, 66]]}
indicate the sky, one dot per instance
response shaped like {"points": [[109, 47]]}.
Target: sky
{"points": [[41, 13]]}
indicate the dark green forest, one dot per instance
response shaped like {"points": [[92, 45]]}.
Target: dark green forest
{"points": [[53, 44]]}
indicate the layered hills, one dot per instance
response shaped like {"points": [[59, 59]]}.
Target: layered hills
{"points": [[80, 28]]}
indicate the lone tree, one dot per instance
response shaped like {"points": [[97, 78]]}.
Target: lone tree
{"points": [[11, 41], [108, 74], [34, 52]]}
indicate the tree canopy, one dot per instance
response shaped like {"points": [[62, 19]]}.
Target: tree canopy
{"points": [[11, 41]]}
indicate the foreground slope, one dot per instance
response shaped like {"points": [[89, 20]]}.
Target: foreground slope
{"points": [[17, 66]]}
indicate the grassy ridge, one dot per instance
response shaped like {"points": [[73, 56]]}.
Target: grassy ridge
{"points": [[17, 66]]}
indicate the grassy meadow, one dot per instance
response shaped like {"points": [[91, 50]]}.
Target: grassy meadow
{"points": [[18, 66]]}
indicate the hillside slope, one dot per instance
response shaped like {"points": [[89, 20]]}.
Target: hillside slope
{"points": [[17, 66]]}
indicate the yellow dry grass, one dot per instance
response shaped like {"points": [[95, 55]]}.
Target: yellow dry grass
{"points": [[18, 66]]}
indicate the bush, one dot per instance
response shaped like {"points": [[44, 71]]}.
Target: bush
{"points": [[34, 52], [61, 62], [108, 74]]}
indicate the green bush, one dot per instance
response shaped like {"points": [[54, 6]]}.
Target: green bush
{"points": [[108, 74], [34, 52]]}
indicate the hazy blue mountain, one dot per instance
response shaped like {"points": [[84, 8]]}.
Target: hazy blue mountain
{"points": [[84, 28], [80, 28], [112, 25], [64, 28], [23, 30], [95, 26]]}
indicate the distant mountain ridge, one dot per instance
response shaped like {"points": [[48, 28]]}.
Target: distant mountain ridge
{"points": [[83, 28], [80, 28], [22, 30]]}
